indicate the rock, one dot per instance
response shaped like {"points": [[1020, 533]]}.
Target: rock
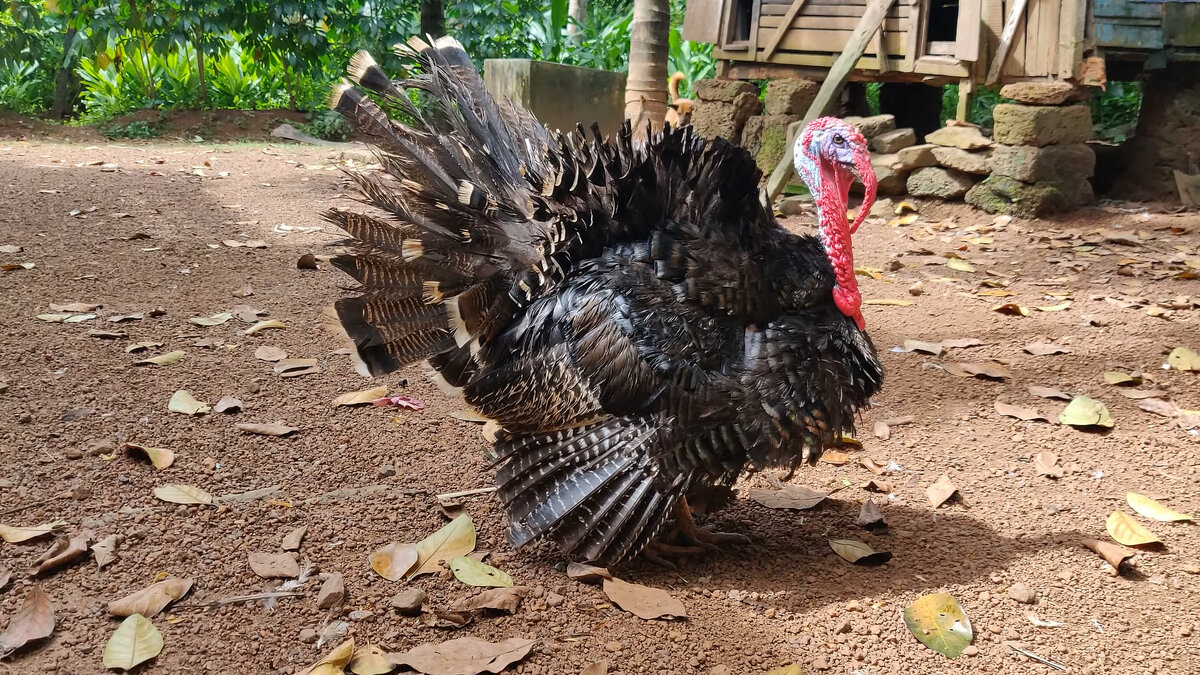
{"points": [[820, 663], [963, 160], [789, 97], [916, 157], [893, 141], [1029, 164], [1001, 194], [891, 179], [970, 650], [719, 670], [966, 138], [387, 471], [308, 636], [772, 141], [291, 540], [842, 627], [274, 565], [24, 418], [917, 288], [723, 90], [872, 126], [795, 205], [612, 646], [938, 182], [1022, 593], [1017, 124], [554, 599], [73, 453], [1042, 93], [409, 601], [332, 593], [713, 118], [100, 446], [752, 134]]}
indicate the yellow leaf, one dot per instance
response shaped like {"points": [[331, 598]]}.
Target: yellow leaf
{"points": [[1125, 530], [214, 320], [1055, 308], [1117, 378], [162, 359], [1152, 509], [264, 325], [1182, 358], [793, 669], [182, 494], [16, 535], [135, 641], [394, 560], [370, 660], [858, 552], [456, 538], [892, 302], [360, 397], [906, 219], [334, 662], [960, 265], [940, 623], [903, 206], [182, 401], [151, 600], [996, 293], [1083, 411], [161, 458], [474, 573]]}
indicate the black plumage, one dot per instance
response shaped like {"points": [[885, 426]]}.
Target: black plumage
{"points": [[638, 324]]}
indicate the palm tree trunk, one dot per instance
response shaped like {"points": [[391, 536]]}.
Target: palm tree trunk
{"points": [[433, 18], [646, 87], [577, 10], [63, 80]]}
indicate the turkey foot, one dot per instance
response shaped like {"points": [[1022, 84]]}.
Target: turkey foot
{"points": [[687, 539]]}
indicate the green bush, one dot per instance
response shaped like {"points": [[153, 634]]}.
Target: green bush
{"points": [[328, 125], [137, 129]]}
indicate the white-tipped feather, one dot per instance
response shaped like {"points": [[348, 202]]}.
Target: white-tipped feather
{"points": [[339, 90], [436, 377], [431, 292], [411, 249], [360, 63], [360, 366], [461, 335]]}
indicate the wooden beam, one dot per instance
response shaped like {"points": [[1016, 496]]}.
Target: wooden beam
{"points": [[966, 87], [784, 26], [1006, 38], [913, 39], [871, 22], [1070, 37], [880, 52]]}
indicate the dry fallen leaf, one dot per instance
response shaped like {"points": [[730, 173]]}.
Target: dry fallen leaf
{"points": [[454, 539], [858, 553], [1066, 304], [1113, 554], [1019, 412], [1150, 508], [993, 371], [1012, 309], [34, 621], [394, 560], [941, 491], [291, 541], [214, 320], [870, 517], [152, 599], [141, 347], [1125, 530], [464, 656], [934, 348], [370, 660], [500, 599], [274, 565], [228, 404], [160, 458], [796, 497], [364, 397], [835, 457], [643, 601], [269, 353], [588, 574], [16, 535], [263, 325], [162, 359], [475, 573], [960, 265], [182, 494], [1083, 411], [183, 402], [1182, 358], [1120, 379], [75, 307], [872, 465], [105, 550], [134, 642], [887, 302], [601, 668], [1045, 349], [64, 552], [1046, 464], [266, 429], [793, 669], [940, 623]]}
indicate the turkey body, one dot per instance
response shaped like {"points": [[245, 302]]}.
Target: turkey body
{"points": [[635, 321]]}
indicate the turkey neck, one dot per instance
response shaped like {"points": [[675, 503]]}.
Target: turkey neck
{"points": [[831, 206]]}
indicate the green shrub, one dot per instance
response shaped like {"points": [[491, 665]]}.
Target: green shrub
{"points": [[135, 130], [328, 125]]}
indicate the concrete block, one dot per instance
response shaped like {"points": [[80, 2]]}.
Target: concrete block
{"points": [[560, 95]]}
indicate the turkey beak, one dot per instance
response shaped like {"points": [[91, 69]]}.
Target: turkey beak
{"points": [[866, 175]]}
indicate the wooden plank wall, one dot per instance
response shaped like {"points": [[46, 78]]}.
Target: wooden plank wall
{"points": [[824, 26]]}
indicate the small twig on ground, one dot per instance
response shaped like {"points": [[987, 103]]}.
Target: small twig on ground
{"points": [[466, 493], [1035, 657], [221, 602], [30, 505]]}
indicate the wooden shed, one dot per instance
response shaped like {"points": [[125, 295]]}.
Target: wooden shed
{"points": [[943, 41]]}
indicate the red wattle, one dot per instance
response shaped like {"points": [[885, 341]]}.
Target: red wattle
{"points": [[835, 235]]}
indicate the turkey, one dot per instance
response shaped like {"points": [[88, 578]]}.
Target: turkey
{"points": [[638, 325]]}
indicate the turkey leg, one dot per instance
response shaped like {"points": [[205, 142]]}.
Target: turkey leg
{"points": [[687, 538]]}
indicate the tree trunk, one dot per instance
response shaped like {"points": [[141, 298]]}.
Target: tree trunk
{"points": [[433, 18], [577, 10], [62, 81], [200, 70], [646, 87]]}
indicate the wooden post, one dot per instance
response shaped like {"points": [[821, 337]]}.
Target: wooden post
{"points": [[1006, 38], [966, 88], [839, 73]]}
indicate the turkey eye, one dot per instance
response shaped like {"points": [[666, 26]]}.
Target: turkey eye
{"points": [[838, 140]]}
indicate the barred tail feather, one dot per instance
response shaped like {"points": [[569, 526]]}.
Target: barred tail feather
{"points": [[598, 491]]}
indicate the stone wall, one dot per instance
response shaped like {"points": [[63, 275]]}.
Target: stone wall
{"points": [[1168, 136], [1041, 162], [560, 95]]}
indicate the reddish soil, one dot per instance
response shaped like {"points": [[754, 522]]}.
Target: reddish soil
{"points": [[210, 125], [68, 401]]}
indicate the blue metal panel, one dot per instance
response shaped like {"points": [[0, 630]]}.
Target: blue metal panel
{"points": [[1129, 37], [1128, 9]]}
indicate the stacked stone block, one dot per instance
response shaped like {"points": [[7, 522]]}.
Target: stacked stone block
{"points": [[723, 107], [1040, 163], [784, 102]]}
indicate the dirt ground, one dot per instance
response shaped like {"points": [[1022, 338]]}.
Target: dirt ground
{"points": [[139, 227]]}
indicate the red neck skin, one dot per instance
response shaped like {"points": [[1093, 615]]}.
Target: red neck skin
{"points": [[835, 235]]}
